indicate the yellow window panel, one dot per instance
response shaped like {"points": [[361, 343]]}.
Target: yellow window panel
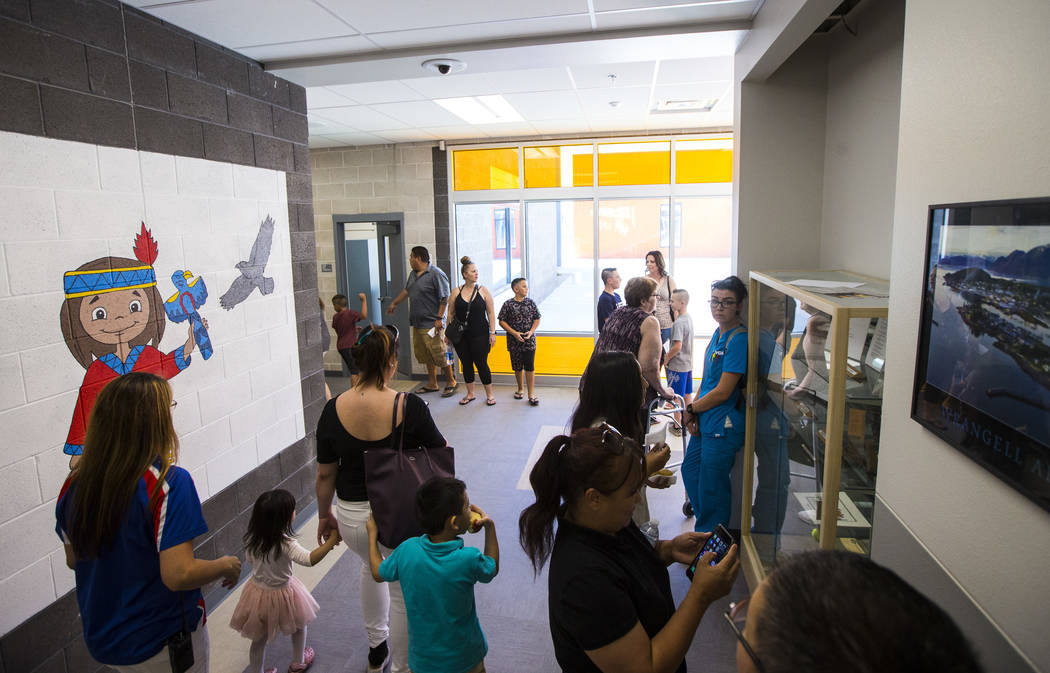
{"points": [[700, 161], [485, 169], [555, 355], [641, 163], [559, 166]]}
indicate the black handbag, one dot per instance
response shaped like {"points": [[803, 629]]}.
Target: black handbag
{"points": [[455, 329], [392, 475]]}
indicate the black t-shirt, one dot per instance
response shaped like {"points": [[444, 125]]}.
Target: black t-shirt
{"points": [[335, 444], [599, 587]]}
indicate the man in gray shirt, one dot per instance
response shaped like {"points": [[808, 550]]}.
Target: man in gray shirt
{"points": [[428, 288]]}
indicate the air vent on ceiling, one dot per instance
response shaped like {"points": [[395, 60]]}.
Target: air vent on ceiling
{"points": [[684, 105]]}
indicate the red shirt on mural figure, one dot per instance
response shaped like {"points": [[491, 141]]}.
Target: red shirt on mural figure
{"points": [[112, 320]]}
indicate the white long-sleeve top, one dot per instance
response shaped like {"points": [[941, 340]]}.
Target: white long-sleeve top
{"points": [[275, 573]]}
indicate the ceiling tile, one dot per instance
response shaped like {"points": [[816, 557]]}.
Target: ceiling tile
{"points": [[698, 90], [356, 139], [680, 70], [535, 79], [353, 44], [461, 132], [560, 126], [406, 136], [451, 86], [318, 97], [419, 113], [633, 102], [359, 117], [242, 23], [546, 105], [625, 126], [670, 16], [373, 17], [323, 141], [366, 93], [606, 5], [627, 74], [478, 32], [503, 130]]}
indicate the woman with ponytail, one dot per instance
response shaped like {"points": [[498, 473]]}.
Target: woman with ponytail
{"points": [[610, 603], [128, 516]]}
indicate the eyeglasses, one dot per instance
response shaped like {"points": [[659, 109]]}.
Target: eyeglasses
{"points": [[612, 438], [724, 303], [174, 403], [736, 615]]}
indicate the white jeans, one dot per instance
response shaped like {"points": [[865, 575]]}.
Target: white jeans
{"points": [[159, 662], [382, 604]]}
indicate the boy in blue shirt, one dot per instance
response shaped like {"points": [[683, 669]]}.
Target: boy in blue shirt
{"points": [[437, 574], [714, 419]]}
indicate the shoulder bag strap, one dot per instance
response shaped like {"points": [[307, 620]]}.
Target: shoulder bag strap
{"points": [[465, 320], [397, 442]]}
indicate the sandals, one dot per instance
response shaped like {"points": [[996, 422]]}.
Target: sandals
{"points": [[466, 400], [534, 401], [519, 395], [450, 390], [490, 402], [308, 658], [423, 389]]}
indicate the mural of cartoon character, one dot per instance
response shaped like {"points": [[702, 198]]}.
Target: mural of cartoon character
{"points": [[113, 319]]}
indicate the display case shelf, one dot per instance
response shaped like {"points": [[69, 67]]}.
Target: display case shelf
{"points": [[816, 353]]}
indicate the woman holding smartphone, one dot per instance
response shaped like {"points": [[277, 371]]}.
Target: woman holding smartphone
{"points": [[611, 608]]}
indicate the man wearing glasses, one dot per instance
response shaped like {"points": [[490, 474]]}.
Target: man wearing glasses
{"points": [[715, 419]]}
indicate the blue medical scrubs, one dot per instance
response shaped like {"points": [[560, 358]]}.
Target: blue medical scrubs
{"points": [[709, 457]]}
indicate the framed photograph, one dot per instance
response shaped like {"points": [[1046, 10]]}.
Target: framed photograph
{"points": [[982, 375]]}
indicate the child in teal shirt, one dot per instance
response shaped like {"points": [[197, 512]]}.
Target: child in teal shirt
{"points": [[437, 574]]}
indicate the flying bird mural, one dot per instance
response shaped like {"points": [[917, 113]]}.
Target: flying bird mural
{"points": [[252, 270], [190, 295]]}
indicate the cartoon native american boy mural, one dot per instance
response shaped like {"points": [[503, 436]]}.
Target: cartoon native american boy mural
{"points": [[113, 319]]}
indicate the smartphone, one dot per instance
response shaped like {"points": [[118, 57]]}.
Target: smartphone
{"points": [[719, 543]]}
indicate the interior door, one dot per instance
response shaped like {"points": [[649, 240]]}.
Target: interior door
{"points": [[391, 257]]}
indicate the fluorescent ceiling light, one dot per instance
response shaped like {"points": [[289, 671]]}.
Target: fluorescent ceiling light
{"points": [[481, 109], [685, 105]]}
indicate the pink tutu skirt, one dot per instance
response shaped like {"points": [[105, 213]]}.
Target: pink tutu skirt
{"points": [[264, 611]]}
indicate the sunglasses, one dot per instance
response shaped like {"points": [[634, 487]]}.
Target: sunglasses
{"points": [[723, 303], [736, 615], [612, 438]]}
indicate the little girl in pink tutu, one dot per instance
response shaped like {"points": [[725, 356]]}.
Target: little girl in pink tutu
{"points": [[273, 600]]}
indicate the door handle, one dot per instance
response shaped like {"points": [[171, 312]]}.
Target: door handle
{"points": [[385, 298]]}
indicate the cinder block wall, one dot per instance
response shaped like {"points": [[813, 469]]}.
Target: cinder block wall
{"points": [[372, 179], [111, 76]]}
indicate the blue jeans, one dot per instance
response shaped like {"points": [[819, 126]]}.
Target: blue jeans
{"points": [[705, 475]]}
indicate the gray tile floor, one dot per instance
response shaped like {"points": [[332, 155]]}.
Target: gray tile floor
{"points": [[493, 445]]}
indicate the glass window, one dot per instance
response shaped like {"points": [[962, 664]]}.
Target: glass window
{"points": [[554, 166], [627, 230], [495, 168], [697, 161], [702, 252], [491, 235], [641, 163], [561, 263]]}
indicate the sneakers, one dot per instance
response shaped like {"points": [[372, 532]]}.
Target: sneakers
{"points": [[308, 658], [378, 657]]}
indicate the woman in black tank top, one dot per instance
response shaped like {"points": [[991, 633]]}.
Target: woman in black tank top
{"points": [[472, 305]]}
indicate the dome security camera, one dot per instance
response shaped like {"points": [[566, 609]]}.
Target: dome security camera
{"points": [[444, 66]]}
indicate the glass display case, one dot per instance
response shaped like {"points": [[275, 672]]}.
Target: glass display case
{"points": [[816, 353]]}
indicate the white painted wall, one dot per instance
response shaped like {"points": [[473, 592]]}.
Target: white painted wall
{"points": [[778, 165], [973, 126], [67, 203], [860, 150]]}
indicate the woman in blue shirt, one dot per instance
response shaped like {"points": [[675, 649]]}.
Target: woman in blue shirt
{"points": [[716, 422]]}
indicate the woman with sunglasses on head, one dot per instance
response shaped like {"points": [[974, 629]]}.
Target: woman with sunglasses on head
{"points": [[714, 418], [607, 396], [609, 594], [360, 419], [633, 329], [128, 516], [472, 305], [657, 271], [828, 611]]}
